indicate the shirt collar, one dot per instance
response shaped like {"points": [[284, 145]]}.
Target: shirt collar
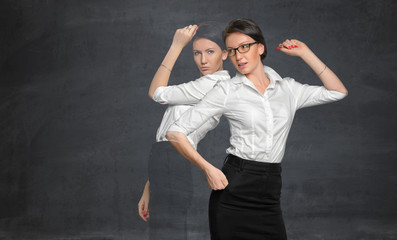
{"points": [[270, 73]]}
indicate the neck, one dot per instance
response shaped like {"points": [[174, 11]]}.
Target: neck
{"points": [[258, 76]]}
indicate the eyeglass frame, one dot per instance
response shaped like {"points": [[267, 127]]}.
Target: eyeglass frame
{"points": [[237, 48]]}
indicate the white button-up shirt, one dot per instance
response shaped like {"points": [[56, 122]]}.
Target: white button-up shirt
{"points": [[188, 94], [259, 123]]}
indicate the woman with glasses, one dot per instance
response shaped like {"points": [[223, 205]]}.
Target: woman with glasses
{"points": [[260, 106], [170, 176]]}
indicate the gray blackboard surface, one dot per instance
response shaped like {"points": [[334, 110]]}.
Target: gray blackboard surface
{"points": [[76, 124]]}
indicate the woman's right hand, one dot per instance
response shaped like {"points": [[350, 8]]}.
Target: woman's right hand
{"points": [[143, 204], [216, 178], [183, 36]]}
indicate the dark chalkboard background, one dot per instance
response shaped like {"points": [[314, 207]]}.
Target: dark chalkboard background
{"points": [[76, 124]]}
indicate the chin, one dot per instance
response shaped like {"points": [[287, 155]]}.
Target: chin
{"points": [[244, 71]]}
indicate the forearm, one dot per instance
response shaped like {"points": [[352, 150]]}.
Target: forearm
{"points": [[180, 142], [164, 71], [215, 177], [147, 186], [326, 75]]}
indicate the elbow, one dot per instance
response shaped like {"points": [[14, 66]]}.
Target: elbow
{"points": [[156, 96], [168, 135], [173, 136], [344, 92], [152, 90], [150, 94], [343, 89], [341, 94]]}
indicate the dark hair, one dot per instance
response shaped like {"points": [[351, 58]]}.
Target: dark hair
{"points": [[210, 30], [247, 27]]}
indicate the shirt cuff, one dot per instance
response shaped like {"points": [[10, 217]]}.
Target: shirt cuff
{"points": [[337, 95], [157, 95], [176, 128]]}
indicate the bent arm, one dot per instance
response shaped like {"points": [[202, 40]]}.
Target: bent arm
{"points": [[327, 76], [181, 38], [211, 105], [215, 178]]}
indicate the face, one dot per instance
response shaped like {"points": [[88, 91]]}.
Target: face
{"points": [[247, 62], [208, 56]]}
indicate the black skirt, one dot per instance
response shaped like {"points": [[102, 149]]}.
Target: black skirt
{"points": [[249, 207], [171, 192]]}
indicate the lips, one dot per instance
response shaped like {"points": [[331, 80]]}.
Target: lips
{"points": [[242, 65], [204, 68]]}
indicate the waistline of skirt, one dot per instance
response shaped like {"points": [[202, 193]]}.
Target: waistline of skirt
{"points": [[244, 164]]}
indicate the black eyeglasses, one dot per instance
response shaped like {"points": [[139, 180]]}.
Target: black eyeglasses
{"points": [[241, 49]]}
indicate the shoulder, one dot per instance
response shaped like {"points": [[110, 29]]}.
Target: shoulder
{"points": [[287, 80], [208, 81], [217, 76], [290, 82], [288, 85], [237, 80], [221, 88]]}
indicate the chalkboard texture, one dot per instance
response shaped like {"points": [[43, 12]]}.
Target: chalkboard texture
{"points": [[76, 123]]}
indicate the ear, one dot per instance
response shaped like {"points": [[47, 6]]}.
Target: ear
{"points": [[224, 55], [261, 48]]}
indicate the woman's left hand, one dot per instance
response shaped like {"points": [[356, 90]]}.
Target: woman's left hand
{"points": [[293, 47]]}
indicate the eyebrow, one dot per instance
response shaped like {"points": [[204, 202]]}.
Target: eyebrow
{"points": [[244, 42], [204, 49]]}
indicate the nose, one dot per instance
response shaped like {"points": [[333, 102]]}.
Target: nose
{"points": [[238, 55], [203, 59]]}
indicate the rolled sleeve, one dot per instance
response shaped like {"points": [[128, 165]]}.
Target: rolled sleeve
{"points": [[177, 128], [309, 95], [186, 93], [159, 97]]}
